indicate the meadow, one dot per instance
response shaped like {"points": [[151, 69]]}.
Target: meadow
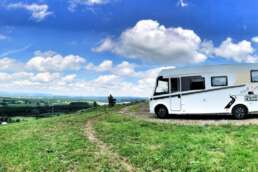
{"points": [[61, 143]]}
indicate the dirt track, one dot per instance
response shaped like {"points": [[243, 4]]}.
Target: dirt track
{"points": [[141, 111], [104, 149]]}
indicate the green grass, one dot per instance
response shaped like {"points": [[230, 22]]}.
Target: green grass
{"points": [[166, 147], [59, 144], [51, 144]]}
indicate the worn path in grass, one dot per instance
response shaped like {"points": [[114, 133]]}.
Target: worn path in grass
{"points": [[141, 111], [104, 149]]}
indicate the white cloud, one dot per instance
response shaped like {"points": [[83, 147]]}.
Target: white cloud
{"points": [[152, 42], [182, 3], [46, 77], [10, 77], [7, 64], [106, 65], [69, 78], [255, 39], [49, 71], [116, 79], [106, 45], [240, 52], [5, 77], [106, 79], [38, 11], [123, 69], [51, 61], [74, 3], [207, 48], [94, 2]]}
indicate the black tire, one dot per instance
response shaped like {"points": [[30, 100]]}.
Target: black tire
{"points": [[239, 111], [161, 111]]}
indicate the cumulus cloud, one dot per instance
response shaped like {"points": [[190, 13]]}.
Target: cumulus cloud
{"points": [[51, 61], [122, 69], [125, 68], [10, 65], [7, 63], [112, 78], [106, 65], [106, 45], [117, 83], [69, 78], [49, 72], [240, 52], [46, 77], [106, 79], [255, 39], [152, 42], [38, 11]]}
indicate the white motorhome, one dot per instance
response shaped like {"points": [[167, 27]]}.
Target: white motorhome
{"points": [[220, 89]]}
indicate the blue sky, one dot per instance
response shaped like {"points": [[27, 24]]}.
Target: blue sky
{"points": [[96, 47]]}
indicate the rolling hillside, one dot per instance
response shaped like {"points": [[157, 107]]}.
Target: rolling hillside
{"points": [[105, 140]]}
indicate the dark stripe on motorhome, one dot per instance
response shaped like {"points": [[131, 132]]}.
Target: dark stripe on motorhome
{"points": [[231, 102], [196, 92]]}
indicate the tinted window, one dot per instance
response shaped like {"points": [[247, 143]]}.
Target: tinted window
{"points": [[175, 85], [254, 75], [219, 81], [162, 86], [193, 83]]}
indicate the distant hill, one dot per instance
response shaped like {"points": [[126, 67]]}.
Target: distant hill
{"points": [[102, 99]]}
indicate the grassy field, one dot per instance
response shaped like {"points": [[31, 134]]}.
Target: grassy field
{"points": [[52, 144], [167, 147], [59, 144]]}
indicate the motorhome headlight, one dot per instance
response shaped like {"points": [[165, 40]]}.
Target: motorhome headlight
{"points": [[251, 97]]}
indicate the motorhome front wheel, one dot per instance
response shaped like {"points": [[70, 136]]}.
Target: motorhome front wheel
{"points": [[239, 111], [161, 111]]}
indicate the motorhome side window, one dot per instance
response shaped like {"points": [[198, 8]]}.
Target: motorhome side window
{"points": [[193, 83], [162, 86], [217, 81], [175, 87], [254, 76]]}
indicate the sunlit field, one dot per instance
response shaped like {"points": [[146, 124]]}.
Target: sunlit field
{"points": [[61, 144]]}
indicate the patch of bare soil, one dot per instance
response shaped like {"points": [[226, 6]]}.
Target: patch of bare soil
{"points": [[104, 149], [141, 111]]}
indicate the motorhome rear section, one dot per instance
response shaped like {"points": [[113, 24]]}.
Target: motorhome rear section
{"points": [[230, 89]]}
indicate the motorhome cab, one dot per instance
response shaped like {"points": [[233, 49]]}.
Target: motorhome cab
{"points": [[220, 89]]}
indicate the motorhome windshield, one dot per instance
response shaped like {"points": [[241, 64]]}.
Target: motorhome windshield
{"points": [[162, 86]]}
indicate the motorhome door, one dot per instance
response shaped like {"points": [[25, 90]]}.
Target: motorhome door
{"points": [[175, 99]]}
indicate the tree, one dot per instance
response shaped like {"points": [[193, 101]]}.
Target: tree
{"points": [[111, 101], [95, 104]]}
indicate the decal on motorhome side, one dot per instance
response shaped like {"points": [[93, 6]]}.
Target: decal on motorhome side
{"points": [[231, 102]]}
